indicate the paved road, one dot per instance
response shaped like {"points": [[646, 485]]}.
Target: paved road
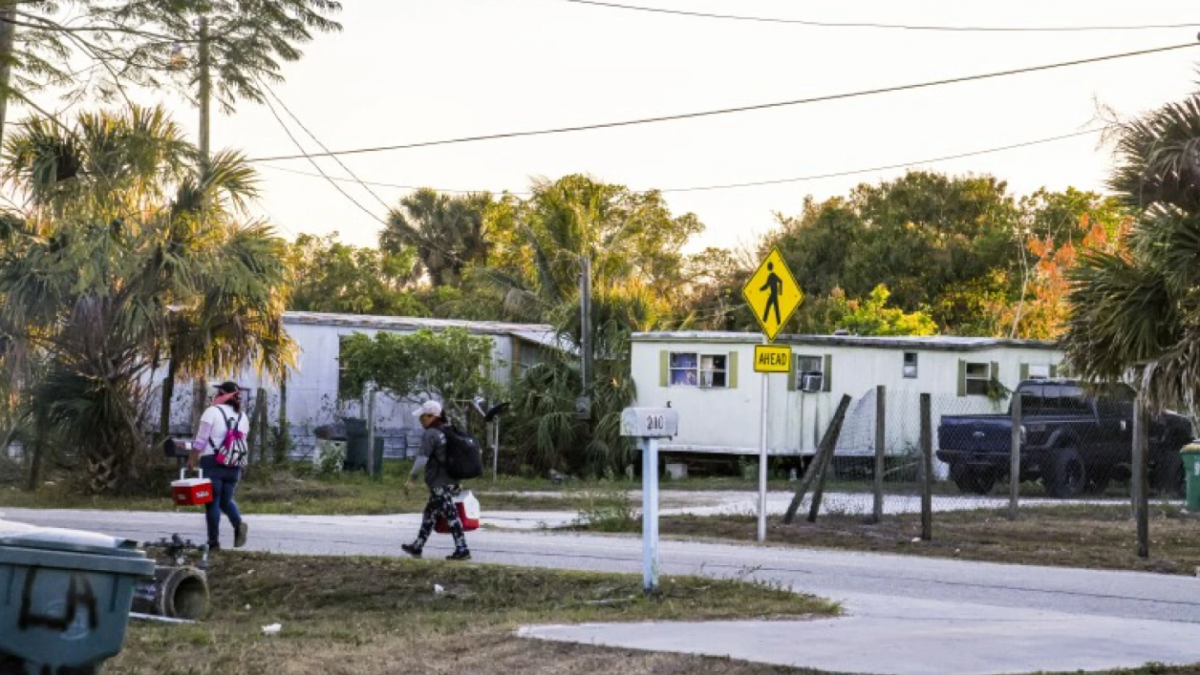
{"points": [[1124, 615]]}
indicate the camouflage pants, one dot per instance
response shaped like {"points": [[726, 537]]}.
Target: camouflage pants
{"points": [[441, 503]]}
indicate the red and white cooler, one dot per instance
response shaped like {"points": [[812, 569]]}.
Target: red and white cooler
{"points": [[468, 513], [191, 491]]}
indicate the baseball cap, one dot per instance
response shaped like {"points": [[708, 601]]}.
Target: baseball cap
{"points": [[227, 387], [429, 408]]}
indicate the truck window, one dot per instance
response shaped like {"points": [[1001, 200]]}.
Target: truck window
{"points": [[1064, 400], [1031, 400]]}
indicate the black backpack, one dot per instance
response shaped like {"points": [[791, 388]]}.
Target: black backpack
{"points": [[464, 459]]}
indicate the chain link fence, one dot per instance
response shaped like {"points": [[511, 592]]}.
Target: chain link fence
{"points": [[1056, 455]]}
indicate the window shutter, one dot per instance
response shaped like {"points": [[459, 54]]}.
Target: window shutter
{"points": [[827, 374], [1024, 371], [962, 377], [664, 371], [792, 385], [731, 366], [994, 373], [1054, 370]]}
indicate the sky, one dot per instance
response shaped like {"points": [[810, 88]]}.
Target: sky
{"points": [[405, 71]]}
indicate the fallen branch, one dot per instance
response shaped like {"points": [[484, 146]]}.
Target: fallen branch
{"points": [[824, 454]]}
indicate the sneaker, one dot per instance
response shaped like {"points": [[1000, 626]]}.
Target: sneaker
{"points": [[214, 547], [411, 550], [464, 554], [239, 534]]}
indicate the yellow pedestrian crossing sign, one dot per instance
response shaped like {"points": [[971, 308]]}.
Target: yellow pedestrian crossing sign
{"points": [[772, 293]]}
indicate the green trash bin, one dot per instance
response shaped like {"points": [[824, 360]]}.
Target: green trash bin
{"points": [[378, 472], [1190, 454], [65, 597], [356, 443]]}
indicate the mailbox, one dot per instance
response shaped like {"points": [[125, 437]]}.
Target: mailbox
{"points": [[649, 422]]}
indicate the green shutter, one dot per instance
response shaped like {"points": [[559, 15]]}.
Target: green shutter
{"points": [[962, 377], [732, 366], [994, 373], [792, 385], [664, 369], [1024, 371], [827, 373], [1054, 370]]}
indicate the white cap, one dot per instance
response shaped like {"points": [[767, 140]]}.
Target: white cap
{"points": [[429, 408]]}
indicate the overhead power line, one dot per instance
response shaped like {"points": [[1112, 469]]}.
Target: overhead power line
{"points": [[311, 135], [300, 147], [732, 186], [425, 241], [888, 26], [729, 111], [397, 186]]}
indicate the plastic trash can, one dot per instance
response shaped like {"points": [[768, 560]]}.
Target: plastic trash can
{"points": [[356, 443], [1190, 454], [65, 597], [378, 472]]}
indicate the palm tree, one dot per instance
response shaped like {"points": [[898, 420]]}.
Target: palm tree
{"points": [[1137, 314], [447, 231], [126, 256], [633, 242]]}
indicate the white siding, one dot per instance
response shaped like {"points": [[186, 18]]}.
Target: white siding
{"points": [[727, 420], [312, 386]]}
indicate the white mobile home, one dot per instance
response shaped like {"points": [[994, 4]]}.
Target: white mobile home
{"points": [[312, 386], [709, 378]]}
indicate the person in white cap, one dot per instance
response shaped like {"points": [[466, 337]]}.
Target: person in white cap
{"points": [[442, 487]]}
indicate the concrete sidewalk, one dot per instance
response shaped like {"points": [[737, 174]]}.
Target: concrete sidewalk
{"points": [[888, 636]]}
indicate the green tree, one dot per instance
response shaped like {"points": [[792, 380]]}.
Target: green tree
{"points": [[1137, 312], [872, 316], [639, 278], [152, 43], [922, 235], [129, 258], [447, 231], [629, 237], [330, 276], [451, 365]]}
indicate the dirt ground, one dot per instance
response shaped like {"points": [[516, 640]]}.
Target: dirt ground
{"points": [[367, 616], [1101, 537]]}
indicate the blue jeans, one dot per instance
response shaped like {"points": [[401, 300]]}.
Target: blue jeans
{"points": [[224, 482]]}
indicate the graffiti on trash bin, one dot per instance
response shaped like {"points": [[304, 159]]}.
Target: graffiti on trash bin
{"points": [[79, 595]]}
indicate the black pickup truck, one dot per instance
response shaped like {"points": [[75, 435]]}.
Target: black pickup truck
{"points": [[1075, 439]]}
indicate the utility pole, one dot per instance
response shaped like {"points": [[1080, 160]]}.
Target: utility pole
{"points": [[199, 387], [205, 94], [8, 29], [584, 408]]}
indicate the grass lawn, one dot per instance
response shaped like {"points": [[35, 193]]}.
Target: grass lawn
{"points": [[374, 615], [296, 490], [366, 616], [1101, 537], [272, 491]]}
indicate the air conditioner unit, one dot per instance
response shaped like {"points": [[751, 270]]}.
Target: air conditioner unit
{"points": [[812, 382]]}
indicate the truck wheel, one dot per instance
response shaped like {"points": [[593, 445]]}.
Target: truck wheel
{"points": [[1068, 475], [1098, 478], [972, 481]]}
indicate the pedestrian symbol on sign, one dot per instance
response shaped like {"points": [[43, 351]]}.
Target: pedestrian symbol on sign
{"points": [[773, 286], [773, 294]]}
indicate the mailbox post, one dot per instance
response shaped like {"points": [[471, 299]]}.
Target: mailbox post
{"points": [[648, 425]]}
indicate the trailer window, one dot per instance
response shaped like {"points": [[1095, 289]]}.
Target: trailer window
{"points": [[978, 376], [690, 369]]}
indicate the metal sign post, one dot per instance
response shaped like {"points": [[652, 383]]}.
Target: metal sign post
{"points": [[648, 425], [773, 295], [762, 458]]}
